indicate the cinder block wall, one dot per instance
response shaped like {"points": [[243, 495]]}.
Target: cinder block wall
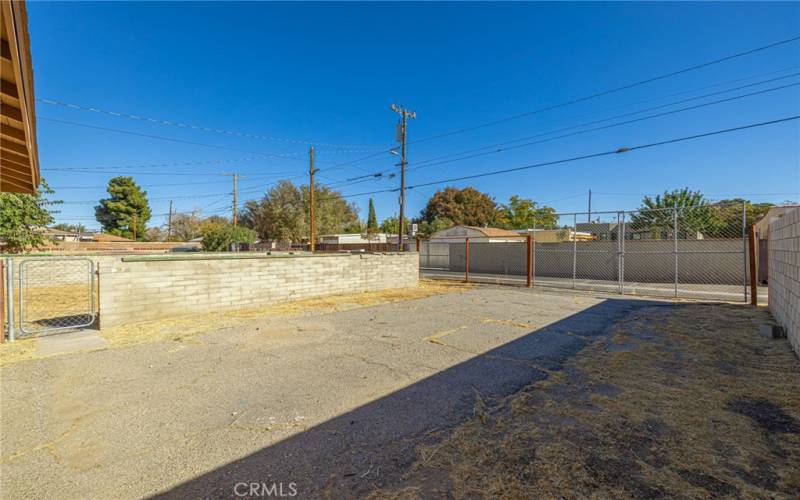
{"points": [[134, 289], [784, 274]]}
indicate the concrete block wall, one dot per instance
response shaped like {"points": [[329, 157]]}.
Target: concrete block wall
{"points": [[138, 289], [784, 274]]}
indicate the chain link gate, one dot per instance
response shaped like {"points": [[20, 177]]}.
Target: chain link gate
{"points": [[51, 294]]}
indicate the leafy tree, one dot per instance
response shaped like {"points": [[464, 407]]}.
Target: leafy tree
{"points": [[390, 225], [22, 218], [283, 213], [466, 206], [428, 228], [221, 236], [522, 213], [730, 214], [125, 210], [70, 228], [695, 215]]}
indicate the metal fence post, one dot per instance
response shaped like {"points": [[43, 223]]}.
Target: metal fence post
{"points": [[533, 256], [753, 265], [528, 267], [621, 251], [744, 248], [574, 249], [675, 246], [10, 298], [466, 259]]}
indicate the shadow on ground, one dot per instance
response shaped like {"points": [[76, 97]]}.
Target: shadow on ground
{"points": [[374, 444]]}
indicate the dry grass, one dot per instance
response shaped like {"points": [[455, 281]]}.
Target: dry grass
{"points": [[684, 401], [184, 327]]}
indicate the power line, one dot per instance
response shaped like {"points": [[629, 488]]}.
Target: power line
{"points": [[609, 91], [430, 161], [171, 123], [594, 122], [585, 157], [168, 164], [163, 138], [608, 153], [627, 122]]}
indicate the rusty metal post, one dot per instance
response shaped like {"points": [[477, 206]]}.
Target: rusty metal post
{"points": [[530, 261], [753, 266], [466, 259], [418, 243]]}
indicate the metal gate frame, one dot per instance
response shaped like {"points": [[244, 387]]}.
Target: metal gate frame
{"points": [[90, 314]]}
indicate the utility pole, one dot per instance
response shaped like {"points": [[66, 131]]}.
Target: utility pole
{"points": [[589, 217], [235, 203], [404, 116], [169, 222], [312, 223]]}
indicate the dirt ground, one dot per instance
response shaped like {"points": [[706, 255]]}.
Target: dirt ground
{"points": [[685, 401], [441, 391]]}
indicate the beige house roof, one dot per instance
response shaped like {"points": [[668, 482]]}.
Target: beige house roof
{"points": [[491, 234], [19, 161], [495, 232]]}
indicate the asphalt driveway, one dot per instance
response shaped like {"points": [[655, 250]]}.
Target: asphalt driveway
{"points": [[321, 398]]}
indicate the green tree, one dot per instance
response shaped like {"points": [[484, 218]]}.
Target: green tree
{"points": [[221, 236], [125, 211], [426, 228], [522, 213], [372, 219], [390, 225], [23, 217], [283, 213], [466, 206], [694, 215], [730, 214]]}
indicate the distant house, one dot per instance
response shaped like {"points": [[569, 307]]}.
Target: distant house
{"points": [[354, 238], [457, 234], [59, 235], [556, 235]]}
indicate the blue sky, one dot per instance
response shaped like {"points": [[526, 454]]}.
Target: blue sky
{"points": [[325, 73]]}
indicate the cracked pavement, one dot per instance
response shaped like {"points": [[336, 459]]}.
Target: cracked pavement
{"points": [[335, 401]]}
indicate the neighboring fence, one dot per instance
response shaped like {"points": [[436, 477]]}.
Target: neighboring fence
{"points": [[120, 247], [784, 274], [690, 252], [356, 247]]}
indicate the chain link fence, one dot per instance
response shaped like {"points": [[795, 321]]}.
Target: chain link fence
{"points": [[695, 252], [45, 295]]}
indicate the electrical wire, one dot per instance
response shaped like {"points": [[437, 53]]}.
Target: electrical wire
{"points": [[170, 139], [627, 122], [119, 114], [623, 115], [608, 92]]}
